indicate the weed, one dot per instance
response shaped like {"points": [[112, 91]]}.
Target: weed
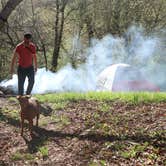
{"points": [[28, 156], [60, 105], [13, 99], [60, 121], [96, 116], [134, 151], [17, 156], [43, 151], [104, 107], [44, 121], [97, 163], [115, 146], [64, 120]]}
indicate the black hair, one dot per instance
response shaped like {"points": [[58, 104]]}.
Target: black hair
{"points": [[28, 35]]}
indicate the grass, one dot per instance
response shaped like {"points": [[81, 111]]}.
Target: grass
{"points": [[128, 97], [44, 121], [13, 99], [104, 107], [16, 156], [22, 156], [10, 113], [61, 120], [59, 105], [134, 151], [43, 151], [97, 163]]}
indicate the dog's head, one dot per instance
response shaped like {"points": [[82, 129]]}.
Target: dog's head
{"points": [[23, 99]]}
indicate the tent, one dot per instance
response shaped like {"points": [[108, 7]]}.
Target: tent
{"points": [[123, 77]]}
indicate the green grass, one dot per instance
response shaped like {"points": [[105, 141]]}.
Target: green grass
{"points": [[134, 151], [22, 156], [104, 107], [101, 96], [44, 121], [97, 163], [16, 156], [13, 99], [43, 151], [62, 120], [10, 113], [59, 105]]}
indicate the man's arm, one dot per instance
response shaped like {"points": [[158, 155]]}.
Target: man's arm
{"points": [[13, 63]]}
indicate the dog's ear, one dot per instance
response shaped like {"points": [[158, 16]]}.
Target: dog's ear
{"points": [[18, 97], [27, 96]]}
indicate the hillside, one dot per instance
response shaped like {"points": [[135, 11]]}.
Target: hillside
{"points": [[85, 132]]}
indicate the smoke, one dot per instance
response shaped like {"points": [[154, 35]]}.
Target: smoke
{"points": [[140, 47], [134, 48]]}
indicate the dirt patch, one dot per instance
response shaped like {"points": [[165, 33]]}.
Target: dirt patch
{"points": [[86, 133]]}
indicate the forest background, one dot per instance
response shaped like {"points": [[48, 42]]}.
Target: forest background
{"points": [[64, 29]]}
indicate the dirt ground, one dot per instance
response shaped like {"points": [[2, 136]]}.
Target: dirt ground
{"points": [[85, 133]]}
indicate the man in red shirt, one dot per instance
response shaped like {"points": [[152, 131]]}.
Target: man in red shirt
{"points": [[25, 52]]}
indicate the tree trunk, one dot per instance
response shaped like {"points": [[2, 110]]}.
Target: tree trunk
{"points": [[90, 29], [59, 23], [7, 10]]}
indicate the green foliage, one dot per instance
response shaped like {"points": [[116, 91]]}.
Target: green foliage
{"points": [[43, 151], [85, 19], [60, 105], [17, 156], [22, 156], [61, 120], [131, 97], [10, 113], [134, 151], [44, 121], [28, 156], [105, 107], [98, 162], [114, 146], [13, 99]]}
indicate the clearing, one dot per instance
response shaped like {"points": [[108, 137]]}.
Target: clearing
{"points": [[85, 132]]}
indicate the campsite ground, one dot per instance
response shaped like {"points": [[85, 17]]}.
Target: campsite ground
{"points": [[85, 132]]}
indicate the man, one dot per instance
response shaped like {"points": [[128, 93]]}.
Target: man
{"points": [[25, 52]]}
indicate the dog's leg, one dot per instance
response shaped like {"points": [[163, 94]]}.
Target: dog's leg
{"points": [[22, 126], [30, 127], [37, 120]]}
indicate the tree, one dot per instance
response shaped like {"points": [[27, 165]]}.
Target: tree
{"points": [[59, 24], [7, 10], [64, 28]]}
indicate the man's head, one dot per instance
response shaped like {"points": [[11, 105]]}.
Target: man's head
{"points": [[27, 37]]}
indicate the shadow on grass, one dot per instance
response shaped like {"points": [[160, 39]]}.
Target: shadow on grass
{"points": [[35, 143], [45, 110], [9, 120], [99, 138], [42, 135]]}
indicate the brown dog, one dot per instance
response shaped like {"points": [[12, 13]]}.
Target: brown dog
{"points": [[29, 110]]}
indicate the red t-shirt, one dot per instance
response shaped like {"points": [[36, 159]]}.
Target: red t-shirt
{"points": [[25, 55]]}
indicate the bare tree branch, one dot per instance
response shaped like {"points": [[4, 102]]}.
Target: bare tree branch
{"points": [[7, 10]]}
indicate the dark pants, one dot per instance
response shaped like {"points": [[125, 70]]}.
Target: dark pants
{"points": [[22, 74]]}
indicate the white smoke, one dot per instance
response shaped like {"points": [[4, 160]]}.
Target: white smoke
{"points": [[133, 48], [140, 47]]}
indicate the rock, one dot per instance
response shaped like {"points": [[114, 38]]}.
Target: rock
{"points": [[1, 93], [6, 90]]}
